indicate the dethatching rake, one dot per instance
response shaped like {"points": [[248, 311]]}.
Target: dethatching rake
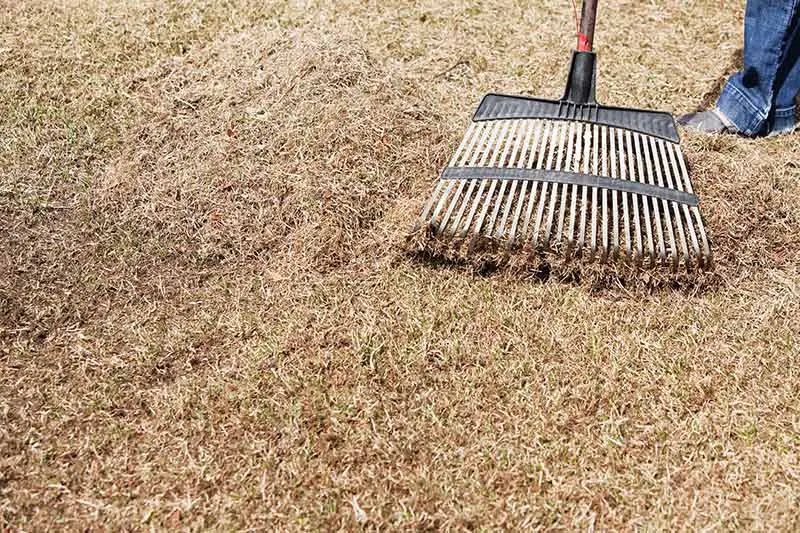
{"points": [[571, 176]]}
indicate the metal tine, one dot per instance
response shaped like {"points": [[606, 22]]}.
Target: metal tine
{"points": [[635, 201], [500, 195], [684, 248], [565, 188], [510, 196], [472, 150], [479, 196], [495, 142], [707, 258], [662, 250], [554, 191], [484, 153], [489, 197], [521, 200], [442, 183], [590, 134], [688, 218], [625, 212], [576, 166], [604, 212], [543, 196], [647, 221], [548, 125], [474, 144], [673, 252]]}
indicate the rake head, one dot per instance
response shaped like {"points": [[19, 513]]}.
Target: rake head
{"points": [[571, 177]]}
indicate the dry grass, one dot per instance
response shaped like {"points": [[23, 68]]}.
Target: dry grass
{"points": [[208, 320]]}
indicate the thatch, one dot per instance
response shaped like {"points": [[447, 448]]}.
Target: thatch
{"points": [[209, 317]]}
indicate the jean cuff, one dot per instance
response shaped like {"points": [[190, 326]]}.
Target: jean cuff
{"points": [[737, 107], [784, 120]]}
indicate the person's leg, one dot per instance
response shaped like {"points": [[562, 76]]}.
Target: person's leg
{"points": [[787, 85], [748, 100]]}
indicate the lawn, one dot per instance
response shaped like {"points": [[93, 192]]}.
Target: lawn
{"points": [[210, 319]]}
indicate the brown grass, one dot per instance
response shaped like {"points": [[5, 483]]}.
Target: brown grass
{"points": [[208, 320]]}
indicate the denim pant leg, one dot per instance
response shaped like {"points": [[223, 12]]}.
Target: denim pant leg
{"points": [[748, 98], [784, 115]]}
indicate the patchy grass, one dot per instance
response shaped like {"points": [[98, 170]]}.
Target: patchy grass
{"points": [[207, 319]]}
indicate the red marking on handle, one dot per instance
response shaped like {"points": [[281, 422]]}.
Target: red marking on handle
{"points": [[583, 43]]}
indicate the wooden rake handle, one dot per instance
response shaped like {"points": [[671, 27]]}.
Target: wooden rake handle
{"points": [[588, 19]]}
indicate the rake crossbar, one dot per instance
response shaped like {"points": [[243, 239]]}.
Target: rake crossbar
{"points": [[503, 106], [570, 178]]}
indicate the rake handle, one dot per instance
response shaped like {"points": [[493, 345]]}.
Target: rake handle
{"points": [[588, 20]]}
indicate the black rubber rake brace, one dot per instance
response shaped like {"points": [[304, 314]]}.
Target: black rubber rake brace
{"points": [[644, 145]]}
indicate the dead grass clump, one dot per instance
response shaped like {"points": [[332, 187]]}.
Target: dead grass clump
{"points": [[489, 256], [267, 144], [749, 200]]}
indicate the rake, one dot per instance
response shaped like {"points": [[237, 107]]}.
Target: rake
{"points": [[571, 177]]}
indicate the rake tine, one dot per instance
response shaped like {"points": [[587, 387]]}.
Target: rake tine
{"points": [[706, 257], [509, 142], [510, 197], [673, 252], [554, 191], [648, 221], [635, 201], [625, 211], [687, 216], [486, 145], [495, 141], [535, 187], [480, 134], [501, 195], [441, 185], [576, 167], [662, 251], [568, 163], [590, 133], [604, 212], [543, 197], [488, 200], [521, 200], [684, 248]]}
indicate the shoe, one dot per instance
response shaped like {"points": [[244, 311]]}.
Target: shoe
{"points": [[712, 122]]}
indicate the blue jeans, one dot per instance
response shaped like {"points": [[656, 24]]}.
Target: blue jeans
{"points": [[760, 99]]}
